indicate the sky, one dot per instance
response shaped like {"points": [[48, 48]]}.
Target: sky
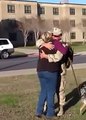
{"points": [[57, 1]]}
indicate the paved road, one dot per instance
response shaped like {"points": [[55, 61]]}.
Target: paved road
{"points": [[27, 64], [18, 63]]}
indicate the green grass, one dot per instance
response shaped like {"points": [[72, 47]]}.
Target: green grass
{"points": [[10, 100], [30, 47], [78, 47], [20, 94], [17, 53]]}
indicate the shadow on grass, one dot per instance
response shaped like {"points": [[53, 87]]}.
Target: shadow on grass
{"points": [[73, 97]]}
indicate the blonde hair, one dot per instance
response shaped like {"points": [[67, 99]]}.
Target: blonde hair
{"points": [[46, 37]]}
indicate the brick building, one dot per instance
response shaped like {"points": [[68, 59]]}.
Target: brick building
{"points": [[40, 16]]}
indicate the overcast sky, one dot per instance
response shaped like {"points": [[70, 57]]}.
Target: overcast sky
{"points": [[57, 1]]}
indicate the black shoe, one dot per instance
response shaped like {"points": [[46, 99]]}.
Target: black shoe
{"points": [[38, 115]]}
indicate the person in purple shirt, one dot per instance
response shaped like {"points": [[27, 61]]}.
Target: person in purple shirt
{"points": [[56, 43], [56, 40]]}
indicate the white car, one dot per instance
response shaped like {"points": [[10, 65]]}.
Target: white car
{"points": [[6, 48]]}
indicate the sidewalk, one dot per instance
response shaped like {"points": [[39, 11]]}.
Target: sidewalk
{"points": [[35, 51], [27, 50], [18, 72], [33, 71]]}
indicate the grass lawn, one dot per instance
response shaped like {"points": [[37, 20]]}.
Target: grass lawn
{"points": [[29, 47], [78, 47], [19, 95]]}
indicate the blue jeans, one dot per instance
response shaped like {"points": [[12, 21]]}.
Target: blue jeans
{"points": [[48, 83]]}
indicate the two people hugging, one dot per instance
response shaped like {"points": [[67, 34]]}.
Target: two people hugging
{"points": [[51, 72]]}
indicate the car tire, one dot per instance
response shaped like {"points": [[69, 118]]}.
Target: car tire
{"points": [[4, 55]]}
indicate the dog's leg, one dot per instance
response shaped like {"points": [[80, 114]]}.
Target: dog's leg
{"points": [[81, 109]]}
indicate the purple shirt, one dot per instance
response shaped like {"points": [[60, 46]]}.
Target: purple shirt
{"points": [[59, 46]]}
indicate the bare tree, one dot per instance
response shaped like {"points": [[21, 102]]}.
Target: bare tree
{"points": [[24, 28], [82, 26], [66, 28], [45, 24], [30, 24]]}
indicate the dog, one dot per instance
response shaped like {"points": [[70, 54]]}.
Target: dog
{"points": [[83, 98]]}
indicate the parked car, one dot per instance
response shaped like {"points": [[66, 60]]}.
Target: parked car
{"points": [[6, 48]]}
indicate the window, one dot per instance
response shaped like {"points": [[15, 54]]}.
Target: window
{"points": [[55, 11], [83, 11], [84, 35], [84, 22], [42, 10], [72, 35], [3, 42], [56, 23], [72, 23], [72, 11], [27, 9], [11, 8]]}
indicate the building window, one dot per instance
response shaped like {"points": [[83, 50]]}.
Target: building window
{"points": [[55, 11], [83, 11], [56, 23], [72, 11], [72, 23], [84, 22], [72, 35], [42, 10], [27, 9], [11, 8], [84, 35]]}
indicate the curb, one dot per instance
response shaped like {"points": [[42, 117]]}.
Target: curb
{"points": [[33, 71], [18, 72]]}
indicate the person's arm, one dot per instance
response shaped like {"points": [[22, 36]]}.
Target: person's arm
{"points": [[55, 57], [52, 57], [41, 43]]}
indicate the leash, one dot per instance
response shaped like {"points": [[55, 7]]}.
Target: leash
{"points": [[75, 77]]}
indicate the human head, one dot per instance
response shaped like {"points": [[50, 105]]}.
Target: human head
{"points": [[46, 36], [57, 33]]}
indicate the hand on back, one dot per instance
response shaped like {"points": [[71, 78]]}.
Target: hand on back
{"points": [[48, 45], [43, 55]]}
